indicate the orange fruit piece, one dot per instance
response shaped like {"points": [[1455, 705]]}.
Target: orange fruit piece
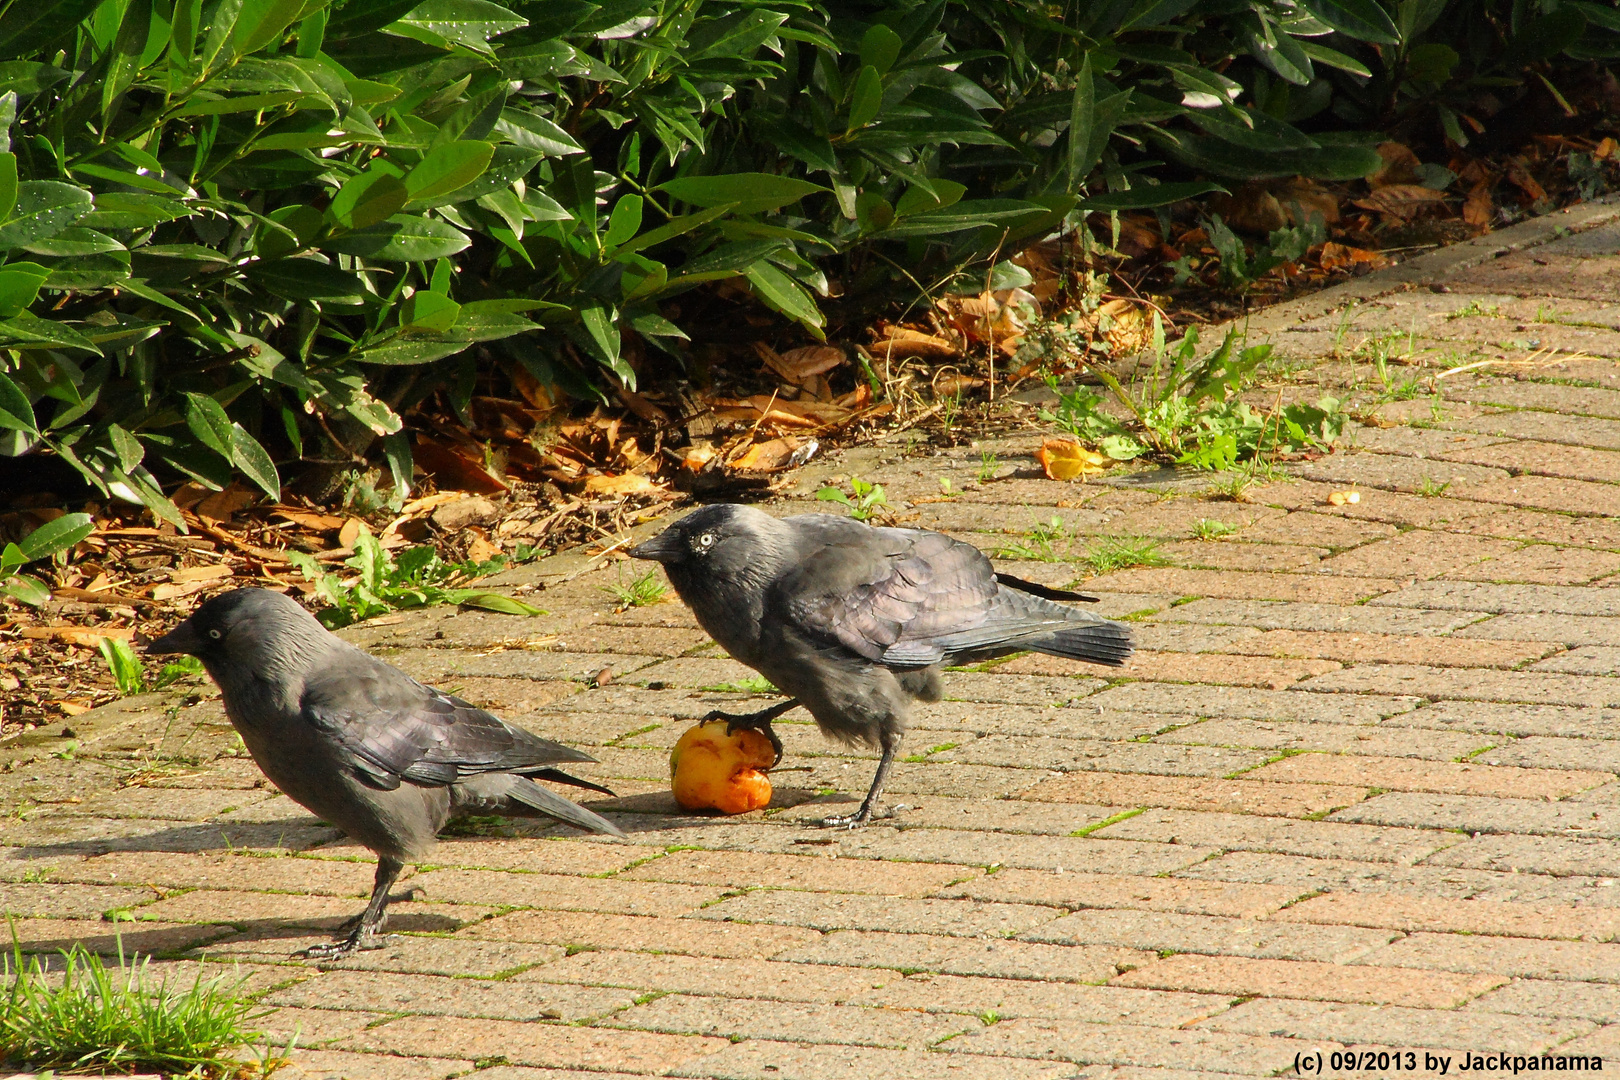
{"points": [[710, 769]]}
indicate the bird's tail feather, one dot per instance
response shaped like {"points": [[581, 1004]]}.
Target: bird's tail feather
{"points": [[1101, 642], [557, 776], [534, 796]]}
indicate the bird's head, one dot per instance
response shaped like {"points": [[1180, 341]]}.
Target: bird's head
{"points": [[724, 540], [248, 630]]}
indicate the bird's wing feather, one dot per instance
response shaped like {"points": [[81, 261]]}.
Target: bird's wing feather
{"points": [[396, 728], [891, 595]]}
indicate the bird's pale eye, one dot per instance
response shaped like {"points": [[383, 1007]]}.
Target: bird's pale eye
{"points": [[215, 634], [706, 541]]}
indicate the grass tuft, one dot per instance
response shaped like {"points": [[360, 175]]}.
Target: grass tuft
{"points": [[644, 591], [1121, 553], [113, 1019]]}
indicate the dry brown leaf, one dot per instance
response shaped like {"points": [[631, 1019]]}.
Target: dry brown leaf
{"points": [[1065, 459], [1335, 256], [763, 409], [202, 573], [74, 707], [1400, 166], [1479, 209], [1401, 201], [797, 365], [767, 456], [1125, 325], [219, 506], [622, 484], [481, 550], [1251, 209], [901, 343], [534, 391], [1606, 149], [88, 637], [308, 519], [349, 532], [454, 472]]}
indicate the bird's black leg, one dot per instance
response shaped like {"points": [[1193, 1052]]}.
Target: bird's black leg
{"points": [[364, 935], [759, 721], [891, 745]]}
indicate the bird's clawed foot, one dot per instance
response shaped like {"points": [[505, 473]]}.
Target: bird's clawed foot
{"points": [[362, 938], [760, 722], [858, 820]]}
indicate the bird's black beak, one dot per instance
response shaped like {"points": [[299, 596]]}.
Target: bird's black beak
{"points": [[664, 548], [182, 639]]}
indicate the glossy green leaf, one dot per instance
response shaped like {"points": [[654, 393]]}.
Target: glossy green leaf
{"points": [[25, 589], [19, 285], [56, 536], [16, 413], [625, 221], [463, 22], [866, 101], [307, 279], [772, 285], [369, 197], [42, 209], [27, 27], [1147, 196], [402, 238], [448, 167], [8, 184], [748, 192], [535, 132], [126, 446], [1362, 20], [131, 210], [263, 21], [428, 311], [735, 35], [968, 214], [207, 420], [880, 48], [1082, 124], [250, 457]]}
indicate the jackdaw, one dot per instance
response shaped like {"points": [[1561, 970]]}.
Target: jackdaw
{"points": [[360, 744], [855, 622]]}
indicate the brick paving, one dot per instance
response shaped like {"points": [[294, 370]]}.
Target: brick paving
{"points": [[1359, 788]]}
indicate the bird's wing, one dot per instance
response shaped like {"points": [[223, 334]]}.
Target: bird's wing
{"points": [[395, 728], [896, 596]]}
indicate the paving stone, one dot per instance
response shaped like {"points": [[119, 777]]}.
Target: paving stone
{"points": [[1416, 554], [1232, 554], [1311, 875], [314, 1027], [1005, 998], [1531, 599], [749, 1019], [1561, 855], [1359, 648], [1191, 793], [1319, 530], [44, 901], [1552, 753], [329, 1064], [1544, 564], [1228, 670], [1583, 660], [1240, 832], [1583, 961], [1182, 933], [1450, 777], [1478, 814], [108, 938], [1548, 997], [748, 870], [1394, 1026], [379, 991], [544, 1044], [564, 893], [1240, 585], [766, 979], [1072, 890], [1520, 721], [1456, 916], [832, 912], [1571, 630], [1549, 427], [1155, 1048], [1474, 684], [679, 936], [760, 1059], [1254, 704], [1042, 752], [1386, 984], [1411, 740], [1001, 959]]}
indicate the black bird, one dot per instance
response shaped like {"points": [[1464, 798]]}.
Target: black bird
{"points": [[360, 744], [855, 622]]}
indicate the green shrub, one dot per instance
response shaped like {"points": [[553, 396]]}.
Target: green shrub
{"points": [[240, 234]]}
